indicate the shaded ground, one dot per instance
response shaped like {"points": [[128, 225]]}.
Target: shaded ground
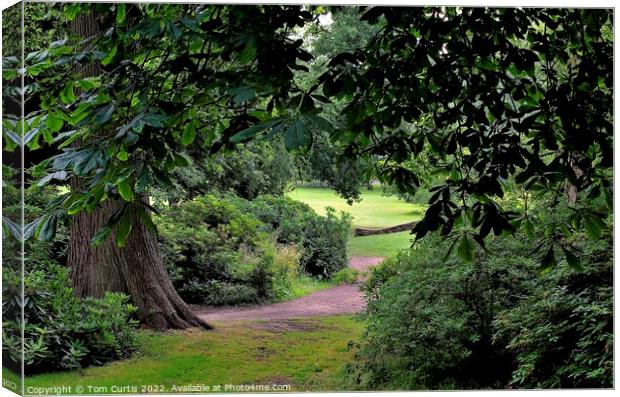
{"points": [[341, 299]]}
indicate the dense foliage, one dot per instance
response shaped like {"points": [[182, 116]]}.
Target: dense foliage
{"points": [[438, 323], [221, 249], [321, 240], [495, 94], [216, 254], [248, 171], [234, 65], [61, 331], [561, 330]]}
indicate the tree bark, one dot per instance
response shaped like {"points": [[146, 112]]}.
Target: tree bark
{"points": [[136, 269]]}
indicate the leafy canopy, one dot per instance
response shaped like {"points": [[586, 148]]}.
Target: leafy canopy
{"points": [[501, 97], [123, 104]]}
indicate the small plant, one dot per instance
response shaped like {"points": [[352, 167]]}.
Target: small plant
{"points": [[61, 330], [346, 276]]}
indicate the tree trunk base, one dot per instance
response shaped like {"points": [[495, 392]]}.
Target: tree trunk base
{"points": [[136, 270]]}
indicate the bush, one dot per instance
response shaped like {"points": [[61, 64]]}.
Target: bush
{"points": [[430, 320], [562, 332], [435, 324], [346, 276], [321, 240], [286, 271], [215, 253], [62, 331]]}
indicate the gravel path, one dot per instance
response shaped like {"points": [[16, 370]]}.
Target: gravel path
{"points": [[340, 299]]}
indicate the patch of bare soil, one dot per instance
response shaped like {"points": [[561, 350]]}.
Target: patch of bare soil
{"points": [[293, 324], [341, 299]]}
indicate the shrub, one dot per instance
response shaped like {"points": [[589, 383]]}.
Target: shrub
{"points": [[562, 331], [346, 276], [215, 253], [430, 320], [286, 270], [62, 331], [321, 240], [441, 324]]}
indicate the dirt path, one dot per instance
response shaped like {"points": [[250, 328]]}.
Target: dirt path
{"points": [[340, 299]]}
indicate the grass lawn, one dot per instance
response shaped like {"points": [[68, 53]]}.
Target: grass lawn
{"points": [[385, 245], [308, 354], [374, 211]]}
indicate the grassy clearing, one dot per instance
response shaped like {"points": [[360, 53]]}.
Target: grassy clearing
{"points": [[379, 245], [308, 354], [374, 211]]}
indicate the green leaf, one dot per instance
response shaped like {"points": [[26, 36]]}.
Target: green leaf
{"points": [[249, 52], [242, 94], [101, 235], [54, 121], [466, 249], [124, 189], [145, 179], [122, 155], [548, 261], [124, 228], [252, 131], [295, 136], [11, 228], [72, 10], [146, 219], [108, 58], [120, 13], [572, 260], [105, 114], [321, 123], [594, 225], [47, 229], [67, 94], [189, 135]]}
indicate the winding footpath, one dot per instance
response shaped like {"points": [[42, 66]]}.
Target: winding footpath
{"points": [[341, 299]]}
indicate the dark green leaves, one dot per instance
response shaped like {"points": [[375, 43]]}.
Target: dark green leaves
{"points": [[466, 248], [104, 114], [48, 224], [189, 134], [242, 94], [296, 136]]}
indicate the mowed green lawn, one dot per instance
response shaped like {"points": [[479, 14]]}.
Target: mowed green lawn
{"points": [[374, 211], [308, 354], [379, 245]]}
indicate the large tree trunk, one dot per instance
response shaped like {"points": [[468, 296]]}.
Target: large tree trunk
{"points": [[136, 269]]}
